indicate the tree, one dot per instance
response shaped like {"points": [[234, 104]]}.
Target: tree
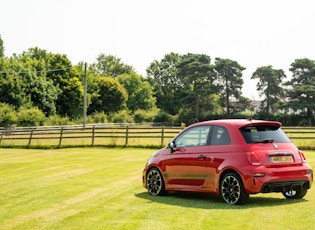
{"points": [[229, 73], [1, 48], [69, 87], [140, 93], [49, 82], [302, 88], [11, 86], [92, 83], [269, 86], [110, 66], [197, 75], [112, 96], [40, 91], [168, 87], [71, 98]]}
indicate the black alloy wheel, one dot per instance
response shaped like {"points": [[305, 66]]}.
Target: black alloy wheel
{"points": [[295, 194], [155, 182], [232, 189]]}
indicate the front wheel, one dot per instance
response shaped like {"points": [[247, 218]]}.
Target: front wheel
{"points": [[155, 183], [295, 194], [232, 189]]}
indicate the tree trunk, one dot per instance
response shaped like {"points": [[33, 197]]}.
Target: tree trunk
{"points": [[196, 104]]}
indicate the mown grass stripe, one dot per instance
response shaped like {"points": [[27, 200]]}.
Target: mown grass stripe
{"points": [[101, 188]]}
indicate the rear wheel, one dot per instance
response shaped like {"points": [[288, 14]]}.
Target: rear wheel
{"points": [[232, 189], [155, 182], [295, 194]]}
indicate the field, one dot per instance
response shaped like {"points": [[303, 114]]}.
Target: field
{"points": [[100, 188]]}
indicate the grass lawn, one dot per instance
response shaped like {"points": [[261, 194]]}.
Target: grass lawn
{"points": [[100, 188]]}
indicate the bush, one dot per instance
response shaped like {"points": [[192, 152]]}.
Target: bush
{"points": [[122, 116], [140, 115], [8, 115], [57, 120], [97, 117], [30, 117], [163, 117], [186, 116]]}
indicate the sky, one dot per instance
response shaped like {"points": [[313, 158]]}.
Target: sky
{"points": [[254, 33]]}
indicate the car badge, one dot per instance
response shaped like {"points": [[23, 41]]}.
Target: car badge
{"points": [[275, 146]]}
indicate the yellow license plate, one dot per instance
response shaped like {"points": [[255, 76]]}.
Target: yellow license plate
{"points": [[281, 159]]}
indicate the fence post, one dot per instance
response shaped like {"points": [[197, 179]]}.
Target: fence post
{"points": [[60, 138], [31, 135], [127, 134], [1, 137], [162, 138], [93, 133]]}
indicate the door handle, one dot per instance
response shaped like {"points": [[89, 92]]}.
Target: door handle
{"points": [[201, 157]]}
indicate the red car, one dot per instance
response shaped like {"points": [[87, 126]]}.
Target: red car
{"points": [[233, 158]]}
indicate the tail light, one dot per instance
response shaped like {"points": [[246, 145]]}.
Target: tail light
{"points": [[303, 158], [253, 159]]}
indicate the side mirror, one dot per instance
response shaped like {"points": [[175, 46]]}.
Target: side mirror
{"points": [[171, 146]]}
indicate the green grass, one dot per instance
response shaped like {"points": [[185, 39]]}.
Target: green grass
{"points": [[100, 188]]}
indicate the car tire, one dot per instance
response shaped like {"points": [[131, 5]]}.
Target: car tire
{"points": [[295, 194], [155, 183], [232, 189]]}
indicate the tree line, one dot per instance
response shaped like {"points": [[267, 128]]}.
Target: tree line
{"points": [[38, 87]]}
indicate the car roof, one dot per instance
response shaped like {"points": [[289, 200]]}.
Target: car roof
{"points": [[238, 123]]}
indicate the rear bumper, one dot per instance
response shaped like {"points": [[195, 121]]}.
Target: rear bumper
{"points": [[282, 186], [265, 180]]}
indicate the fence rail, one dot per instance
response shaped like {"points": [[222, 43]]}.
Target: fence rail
{"points": [[114, 135], [91, 135]]}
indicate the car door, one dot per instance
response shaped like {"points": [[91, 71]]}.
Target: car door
{"points": [[186, 165], [219, 149]]}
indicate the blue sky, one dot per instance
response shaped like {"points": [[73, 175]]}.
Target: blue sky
{"points": [[252, 32]]}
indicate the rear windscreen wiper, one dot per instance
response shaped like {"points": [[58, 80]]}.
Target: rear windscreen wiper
{"points": [[267, 140]]}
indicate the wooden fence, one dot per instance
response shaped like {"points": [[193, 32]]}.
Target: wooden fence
{"points": [[114, 135], [91, 135]]}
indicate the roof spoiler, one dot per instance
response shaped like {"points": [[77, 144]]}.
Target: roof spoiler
{"points": [[261, 122]]}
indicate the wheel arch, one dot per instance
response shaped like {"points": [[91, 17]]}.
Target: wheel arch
{"points": [[225, 172], [153, 166]]}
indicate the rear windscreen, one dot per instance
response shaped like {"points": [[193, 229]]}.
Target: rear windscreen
{"points": [[263, 134]]}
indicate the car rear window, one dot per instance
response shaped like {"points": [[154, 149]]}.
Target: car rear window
{"points": [[263, 134]]}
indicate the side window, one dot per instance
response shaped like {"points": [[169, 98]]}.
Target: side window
{"points": [[196, 136], [220, 136]]}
